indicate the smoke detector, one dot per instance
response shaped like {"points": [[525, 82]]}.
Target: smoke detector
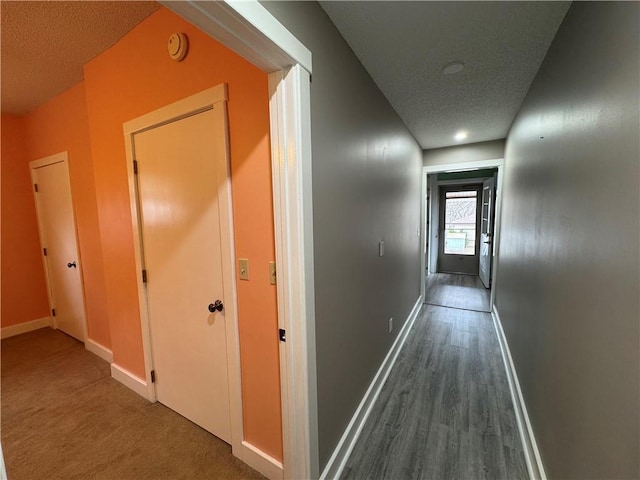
{"points": [[178, 46]]}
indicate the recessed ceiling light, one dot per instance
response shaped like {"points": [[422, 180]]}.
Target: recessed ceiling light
{"points": [[461, 135], [453, 68]]}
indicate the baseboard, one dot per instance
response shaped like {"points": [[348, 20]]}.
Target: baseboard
{"points": [[338, 460], [99, 350], [128, 379], [260, 461], [25, 327], [531, 452]]}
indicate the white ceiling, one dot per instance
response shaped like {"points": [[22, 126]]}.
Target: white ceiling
{"points": [[44, 45], [405, 45]]}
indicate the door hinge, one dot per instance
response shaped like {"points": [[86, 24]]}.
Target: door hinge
{"points": [[44, 251], [53, 312], [135, 167], [153, 376], [144, 276], [282, 335], [35, 187]]}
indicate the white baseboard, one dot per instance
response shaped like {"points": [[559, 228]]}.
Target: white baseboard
{"points": [[25, 327], [128, 379], [99, 350], [260, 461], [340, 455], [531, 452]]}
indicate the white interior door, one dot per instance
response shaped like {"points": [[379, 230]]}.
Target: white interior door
{"points": [[178, 184], [486, 232], [59, 244]]}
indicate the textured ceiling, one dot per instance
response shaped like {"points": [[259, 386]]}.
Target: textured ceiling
{"points": [[45, 44], [405, 45]]}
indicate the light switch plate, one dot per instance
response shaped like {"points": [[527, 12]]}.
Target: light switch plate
{"points": [[381, 248], [391, 325], [243, 268], [272, 273]]}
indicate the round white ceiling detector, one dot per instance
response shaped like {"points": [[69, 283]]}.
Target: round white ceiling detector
{"points": [[452, 68], [178, 46]]}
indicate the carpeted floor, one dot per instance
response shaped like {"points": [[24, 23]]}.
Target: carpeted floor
{"points": [[64, 417]]}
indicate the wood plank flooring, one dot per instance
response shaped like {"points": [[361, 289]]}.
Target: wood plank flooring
{"points": [[445, 411], [457, 291]]}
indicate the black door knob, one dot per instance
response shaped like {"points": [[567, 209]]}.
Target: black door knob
{"points": [[217, 305], [71, 264]]}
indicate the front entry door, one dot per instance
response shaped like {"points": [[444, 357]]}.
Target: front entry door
{"points": [[486, 231], [59, 243], [178, 182], [459, 229]]}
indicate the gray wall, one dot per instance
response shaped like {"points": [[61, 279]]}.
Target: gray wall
{"points": [[568, 275], [470, 152], [366, 187]]}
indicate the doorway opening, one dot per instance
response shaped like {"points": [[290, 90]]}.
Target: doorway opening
{"points": [[460, 211]]}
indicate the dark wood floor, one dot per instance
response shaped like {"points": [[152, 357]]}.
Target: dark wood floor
{"points": [[457, 291], [445, 411]]}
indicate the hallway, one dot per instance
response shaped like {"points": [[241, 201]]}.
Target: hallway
{"points": [[445, 412]]}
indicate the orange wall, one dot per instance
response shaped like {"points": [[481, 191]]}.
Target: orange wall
{"points": [[132, 78], [62, 125], [24, 292]]}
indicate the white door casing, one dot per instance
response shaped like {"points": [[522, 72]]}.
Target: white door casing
{"points": [[58, 239], [486, 231], [210, 102], [177, 164], [478, 165]]}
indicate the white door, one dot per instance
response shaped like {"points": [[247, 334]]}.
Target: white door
{"points": [[59, 244], [486, 235], [178, 181]]}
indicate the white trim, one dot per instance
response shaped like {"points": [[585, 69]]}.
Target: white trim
{"points": [[343, 450], [423, 234], [248, 29], [30, 326], [128, 379], [212, 98], [99, 350], [529, 444], [476, 165], [293, 217], [260, 461]]}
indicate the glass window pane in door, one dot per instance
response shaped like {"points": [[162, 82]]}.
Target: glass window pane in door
{"points": [[460, 223]]}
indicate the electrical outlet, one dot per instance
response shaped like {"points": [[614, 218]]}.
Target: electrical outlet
{"points": [[243, 267], [391, 325]]}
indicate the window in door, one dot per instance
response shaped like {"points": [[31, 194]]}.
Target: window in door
{"points": [[460, 222]]}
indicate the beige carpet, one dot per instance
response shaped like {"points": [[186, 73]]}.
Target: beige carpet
{"points": [[64, 417]]}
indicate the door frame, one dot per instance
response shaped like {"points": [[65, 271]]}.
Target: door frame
{"points": [[252, 32], [461, 167], [62, 157], [200, 102]]}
